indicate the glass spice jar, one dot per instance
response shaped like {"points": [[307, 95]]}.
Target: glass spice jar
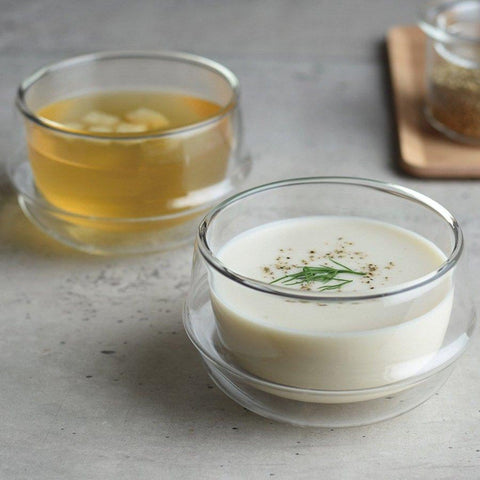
{"points": [[452, 104]]}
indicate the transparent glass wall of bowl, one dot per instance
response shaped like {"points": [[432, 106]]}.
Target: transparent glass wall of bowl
{"points": [[347, 378], [186, 170], [452, 69]]}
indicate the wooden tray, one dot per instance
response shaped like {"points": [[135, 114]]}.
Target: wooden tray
{"points": [[424, 152]]}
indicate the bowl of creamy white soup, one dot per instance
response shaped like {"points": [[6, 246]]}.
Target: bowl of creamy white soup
{"points": [[329, 301]]}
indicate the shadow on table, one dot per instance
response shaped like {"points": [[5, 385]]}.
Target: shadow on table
{"points": [[18, 233], [166, 381]]}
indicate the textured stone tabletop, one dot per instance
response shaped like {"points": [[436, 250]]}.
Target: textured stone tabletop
{"points": [[97, 377]]}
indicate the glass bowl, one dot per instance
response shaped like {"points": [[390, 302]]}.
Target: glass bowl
{"points": [[452, 68], [328, 378], [132, 192]]}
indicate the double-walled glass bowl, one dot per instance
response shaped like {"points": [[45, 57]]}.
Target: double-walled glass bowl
{"points": [[329, 378], [135, 192]]}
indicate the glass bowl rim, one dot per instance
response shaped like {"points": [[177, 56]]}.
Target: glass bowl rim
{"points": [[243, 375], [388, 188], [427, 22], [181, 57]]}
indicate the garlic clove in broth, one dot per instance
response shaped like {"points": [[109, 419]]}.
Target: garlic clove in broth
{"points": [[96, 118], [146, 116]]}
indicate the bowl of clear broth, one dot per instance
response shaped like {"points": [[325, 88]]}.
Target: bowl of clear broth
{"points": [[126, 150]]}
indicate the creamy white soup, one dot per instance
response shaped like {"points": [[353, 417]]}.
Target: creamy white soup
{"points": [[332, 345]]}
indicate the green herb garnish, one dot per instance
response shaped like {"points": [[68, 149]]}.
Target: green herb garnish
{"points": [[323, 274]]}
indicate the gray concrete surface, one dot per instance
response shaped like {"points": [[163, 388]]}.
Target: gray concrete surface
{"points": [[316, 102]]}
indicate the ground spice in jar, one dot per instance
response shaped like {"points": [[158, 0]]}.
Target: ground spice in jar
{"points": [[454, 98]]}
